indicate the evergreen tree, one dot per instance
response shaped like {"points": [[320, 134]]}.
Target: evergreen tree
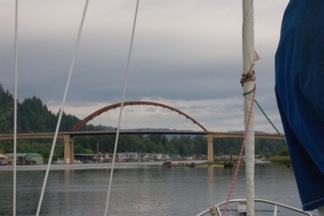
{"points": [[34, 116]]}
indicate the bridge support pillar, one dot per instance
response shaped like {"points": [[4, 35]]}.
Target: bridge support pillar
{"points": [[68, 149], [210, 149]]}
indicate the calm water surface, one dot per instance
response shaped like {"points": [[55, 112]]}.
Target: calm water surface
{"points": [[138, 189]]}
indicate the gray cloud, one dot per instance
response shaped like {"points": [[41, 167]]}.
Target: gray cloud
{"points": [[186, 50]]}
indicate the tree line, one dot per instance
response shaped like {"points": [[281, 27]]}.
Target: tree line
{"points": [[34, 117]]}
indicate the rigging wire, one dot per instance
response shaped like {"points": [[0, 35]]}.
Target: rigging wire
{"points": [[121, 108], [62, 105], [265, 115], [15, 110], [241, 152]]}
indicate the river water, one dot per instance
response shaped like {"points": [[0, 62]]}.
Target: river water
{"points": [[137, 189]]}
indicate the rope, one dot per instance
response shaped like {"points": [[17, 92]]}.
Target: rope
{"points": [[121, 109], [15, 111], [62, 106], [246, 77], [282, 136], [241, 152]]}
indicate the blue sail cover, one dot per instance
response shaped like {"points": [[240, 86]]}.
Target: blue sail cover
{"points": [[300, 95]]}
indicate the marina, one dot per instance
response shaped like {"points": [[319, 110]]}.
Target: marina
{"points": [[139, 188], [125, 187]]}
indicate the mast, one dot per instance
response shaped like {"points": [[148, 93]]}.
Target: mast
{"points": [[249, 57]]}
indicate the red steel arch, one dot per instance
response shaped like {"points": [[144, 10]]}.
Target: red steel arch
{"points": [[83, 122]]}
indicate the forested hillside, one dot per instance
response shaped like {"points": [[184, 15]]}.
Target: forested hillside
{"points": [[34, 116]]}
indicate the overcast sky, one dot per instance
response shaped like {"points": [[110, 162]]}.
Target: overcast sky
{"points": [[186, 54]]}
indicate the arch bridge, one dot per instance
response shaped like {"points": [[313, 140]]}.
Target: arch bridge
{"points": [[68, 136], [90, 117]]}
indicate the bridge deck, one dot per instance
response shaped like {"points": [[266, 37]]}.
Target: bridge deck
{"points": [[169, 132]]}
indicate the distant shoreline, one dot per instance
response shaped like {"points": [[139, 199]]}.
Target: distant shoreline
{"points": [[118, 165]]}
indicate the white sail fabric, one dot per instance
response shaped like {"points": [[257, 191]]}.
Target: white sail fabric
{"points": [[249, 58]]}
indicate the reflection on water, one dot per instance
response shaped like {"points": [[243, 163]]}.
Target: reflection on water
{"points": [[139, 189]]}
